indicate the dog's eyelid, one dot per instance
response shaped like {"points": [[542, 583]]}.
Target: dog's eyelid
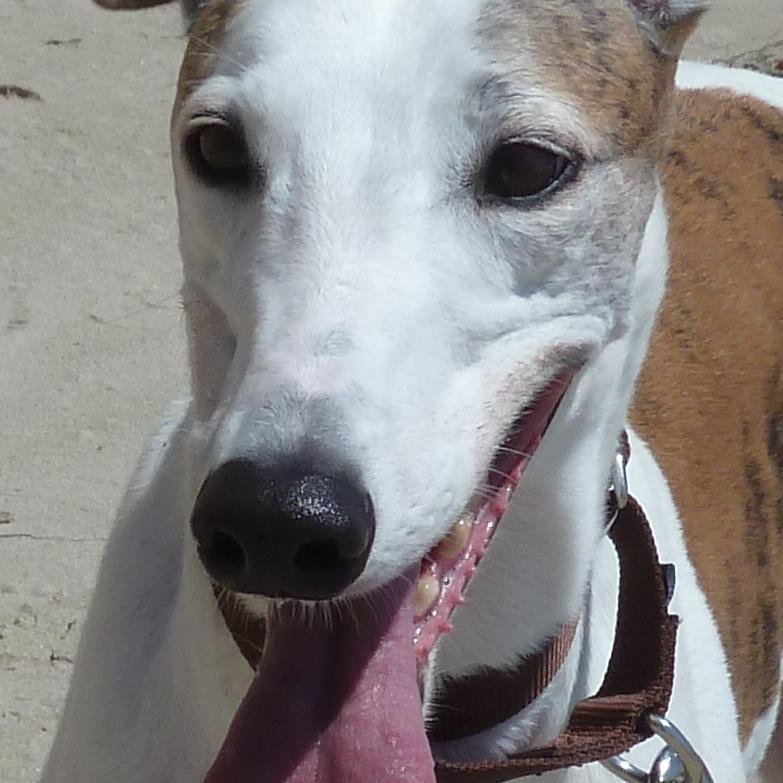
{"points": [[211, 105], [207, 117], [566, 148], [575, 138]]}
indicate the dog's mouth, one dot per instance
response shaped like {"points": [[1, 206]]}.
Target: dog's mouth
{"points": [[336, 697], [448, 567]]}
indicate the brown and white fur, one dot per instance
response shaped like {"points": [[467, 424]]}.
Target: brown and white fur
{"points": [[364, 297]]}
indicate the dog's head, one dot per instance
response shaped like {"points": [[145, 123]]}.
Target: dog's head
{"points": [[420, 240]]}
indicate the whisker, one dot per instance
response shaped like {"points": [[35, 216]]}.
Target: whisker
{"points": [[215, 50], [500, 473], [248, 642], [515, 452]]}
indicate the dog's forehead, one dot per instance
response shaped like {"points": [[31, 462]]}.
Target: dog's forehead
{"points": [[353, 33], [591, 51]]}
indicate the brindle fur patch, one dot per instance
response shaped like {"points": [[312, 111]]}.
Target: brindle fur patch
{"points": [[206, 35], [596, 53], [712, 409]]}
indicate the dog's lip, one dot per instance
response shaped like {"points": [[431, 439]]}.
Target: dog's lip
{"points": [[448, 567]]}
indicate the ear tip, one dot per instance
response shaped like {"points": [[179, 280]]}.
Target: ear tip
{"points": [[669, 11], [668, 23]]}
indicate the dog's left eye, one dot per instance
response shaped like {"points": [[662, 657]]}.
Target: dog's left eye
{"points": [[217, 153], [521, 172]]}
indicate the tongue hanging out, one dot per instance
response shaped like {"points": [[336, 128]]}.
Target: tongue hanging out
{"points": [[333, 702]]}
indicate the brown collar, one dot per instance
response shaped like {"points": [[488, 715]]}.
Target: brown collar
{"points": [[637, 684], [469, 705]]}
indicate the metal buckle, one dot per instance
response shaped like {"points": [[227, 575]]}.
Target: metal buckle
{"points": [[678, 762]]}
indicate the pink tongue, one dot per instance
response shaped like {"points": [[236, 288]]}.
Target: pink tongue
{"points": [[333, 702]]}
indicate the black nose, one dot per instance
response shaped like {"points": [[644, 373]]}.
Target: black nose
{"points": [[283, 533]]}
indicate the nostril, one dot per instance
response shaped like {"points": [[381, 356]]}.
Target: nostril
{"points": [[223, 555], [355, 544], [318, 557]]}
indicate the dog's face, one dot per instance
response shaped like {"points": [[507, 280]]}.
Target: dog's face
{"points": [[422, 240], [401, 224]]}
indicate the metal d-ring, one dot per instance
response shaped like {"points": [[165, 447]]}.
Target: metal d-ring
{"points": [[619, 484], [618, 488], [678, 762]]}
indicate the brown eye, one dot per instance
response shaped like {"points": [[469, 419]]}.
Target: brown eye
{"points": [[522, 172], [217, 153]]}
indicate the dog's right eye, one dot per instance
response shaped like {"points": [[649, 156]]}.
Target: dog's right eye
{"points": [[217, 153]]}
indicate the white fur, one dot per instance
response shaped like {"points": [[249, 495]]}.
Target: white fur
{"points": [[364, 303], [756, 747], [693, 75]]}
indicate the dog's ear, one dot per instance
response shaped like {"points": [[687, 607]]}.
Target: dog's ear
{"points": [[668, 23]]}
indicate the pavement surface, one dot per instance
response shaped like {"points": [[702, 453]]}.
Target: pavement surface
{"points": [[91, 332]]}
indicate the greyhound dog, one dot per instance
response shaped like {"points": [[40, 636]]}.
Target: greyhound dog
{"points": [[438, 257]]}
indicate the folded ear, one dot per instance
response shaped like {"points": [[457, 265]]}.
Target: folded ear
{"points": [[668, 23]]}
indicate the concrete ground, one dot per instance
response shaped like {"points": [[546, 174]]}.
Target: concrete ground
{"points": [[91, 338]]}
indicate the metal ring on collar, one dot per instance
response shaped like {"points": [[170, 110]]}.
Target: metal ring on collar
{"points": [[619, 482], [678, 762]]}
